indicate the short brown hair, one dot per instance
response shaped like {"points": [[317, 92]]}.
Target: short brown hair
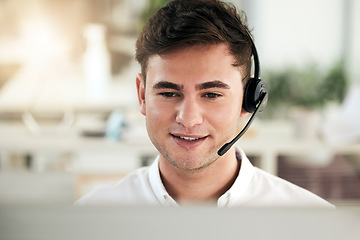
{"points": [[183, 23]]}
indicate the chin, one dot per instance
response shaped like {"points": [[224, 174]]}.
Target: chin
{"points": [[191, 161]]}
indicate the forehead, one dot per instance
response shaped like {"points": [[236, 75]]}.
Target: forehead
{"points": [[194, 64]]}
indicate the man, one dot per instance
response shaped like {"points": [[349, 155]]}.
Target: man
{"points": [[195, 61]]}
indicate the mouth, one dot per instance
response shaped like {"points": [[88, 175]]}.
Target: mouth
{"points": [[188, 142], [188, 138]]}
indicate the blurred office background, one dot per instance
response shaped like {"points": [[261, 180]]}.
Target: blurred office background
{"points": [[69, 119]]}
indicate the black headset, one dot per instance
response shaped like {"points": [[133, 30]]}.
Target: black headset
{"points": [[255, 87], [255, 96]]}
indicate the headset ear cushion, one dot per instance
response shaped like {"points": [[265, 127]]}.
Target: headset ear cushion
{"points": [[252, 92]]}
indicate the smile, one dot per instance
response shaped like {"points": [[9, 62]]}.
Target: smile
{"points": [[188, 142], [189, 138]]}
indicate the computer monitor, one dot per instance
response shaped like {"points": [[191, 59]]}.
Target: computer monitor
{"points": [[192, 222]]}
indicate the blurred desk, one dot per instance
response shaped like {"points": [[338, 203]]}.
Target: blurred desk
{"points": [[91, 154], [265, 140], [271, 139]]}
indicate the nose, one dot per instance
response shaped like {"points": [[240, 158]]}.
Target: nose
{"points": [[189, 113]]}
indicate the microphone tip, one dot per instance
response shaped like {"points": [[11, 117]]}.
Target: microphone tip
{"points": [[224, 149]]}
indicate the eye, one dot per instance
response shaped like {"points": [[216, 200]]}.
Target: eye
{"points": [[169, 94], [212, 95]]}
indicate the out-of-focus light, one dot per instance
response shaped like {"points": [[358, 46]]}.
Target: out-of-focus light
{"points": [[40, 40]]}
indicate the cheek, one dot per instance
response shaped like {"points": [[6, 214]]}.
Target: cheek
{"points": [[157, 113], [153, 115], [153, 120], [226, 116]]}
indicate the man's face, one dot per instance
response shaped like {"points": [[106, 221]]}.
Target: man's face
{"points": [[193, 104]]}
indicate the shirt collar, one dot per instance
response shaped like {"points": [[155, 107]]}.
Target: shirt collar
{"points": [[233, 195], [237, 191], [157, 186]]}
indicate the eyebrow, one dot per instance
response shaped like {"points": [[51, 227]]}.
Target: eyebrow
{"points": [[202, 86], [212, 84], [167, 85]]}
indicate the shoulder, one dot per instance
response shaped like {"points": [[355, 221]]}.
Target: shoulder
{"points": [[283, 192], [132, 189], [255, 187]]}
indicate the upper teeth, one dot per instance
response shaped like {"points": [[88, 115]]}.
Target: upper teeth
{"points": [[189, 138]]}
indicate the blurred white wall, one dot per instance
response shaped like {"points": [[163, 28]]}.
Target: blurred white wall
{"points": [[303, 31], [354, 53]]}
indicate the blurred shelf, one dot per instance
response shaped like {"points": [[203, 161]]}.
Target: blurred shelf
{"points": [[266, 140]]}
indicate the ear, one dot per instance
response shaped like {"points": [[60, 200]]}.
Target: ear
{"points": [[140, 87], [243, 113]]}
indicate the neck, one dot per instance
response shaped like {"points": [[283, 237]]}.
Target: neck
{"points": [[202, 185]]}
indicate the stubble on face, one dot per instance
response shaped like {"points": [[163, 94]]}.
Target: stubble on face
{"points": [[186, 159], [187, 163]]}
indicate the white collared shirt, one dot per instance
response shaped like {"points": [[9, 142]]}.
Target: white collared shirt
{"points": [[252, 188]]}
